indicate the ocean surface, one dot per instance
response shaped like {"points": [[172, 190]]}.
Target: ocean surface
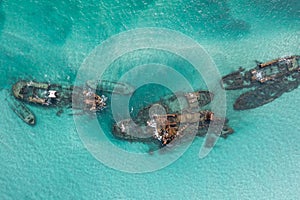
{"points": [[49, 40]]}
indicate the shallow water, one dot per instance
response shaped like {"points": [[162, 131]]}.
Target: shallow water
{"points": [[49, 40]]}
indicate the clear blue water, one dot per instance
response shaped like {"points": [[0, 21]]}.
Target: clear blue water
{"points": [[48, 41]]}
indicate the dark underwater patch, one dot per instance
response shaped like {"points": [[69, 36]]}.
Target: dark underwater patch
{"points": [[49, 21], [2, 17], [290, 8], [214, 19], [208, 18]]}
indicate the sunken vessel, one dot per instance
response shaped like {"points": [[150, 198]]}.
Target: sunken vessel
{"points": [[165, 129], [267, 81], [176, 103], [182, 117], [110, 86], [55, 95], [22, 111]]}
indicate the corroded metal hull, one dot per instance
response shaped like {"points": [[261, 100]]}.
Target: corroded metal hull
{"points": [[176, 103], [262, 73], [267, 81], [167, 128], [55, 95]]}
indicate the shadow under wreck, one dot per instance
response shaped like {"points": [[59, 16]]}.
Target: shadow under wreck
{"points": [[268, 81]]}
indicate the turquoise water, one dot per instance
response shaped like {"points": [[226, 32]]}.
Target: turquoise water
{"points": [[48, 41]]}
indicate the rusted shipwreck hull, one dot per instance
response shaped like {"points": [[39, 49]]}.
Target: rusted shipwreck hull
{"points": [[267, 81], [167, 128]]}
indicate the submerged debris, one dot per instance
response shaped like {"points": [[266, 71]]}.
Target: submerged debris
{"points": [[59, 112], [21, 110], [111, 87]]}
